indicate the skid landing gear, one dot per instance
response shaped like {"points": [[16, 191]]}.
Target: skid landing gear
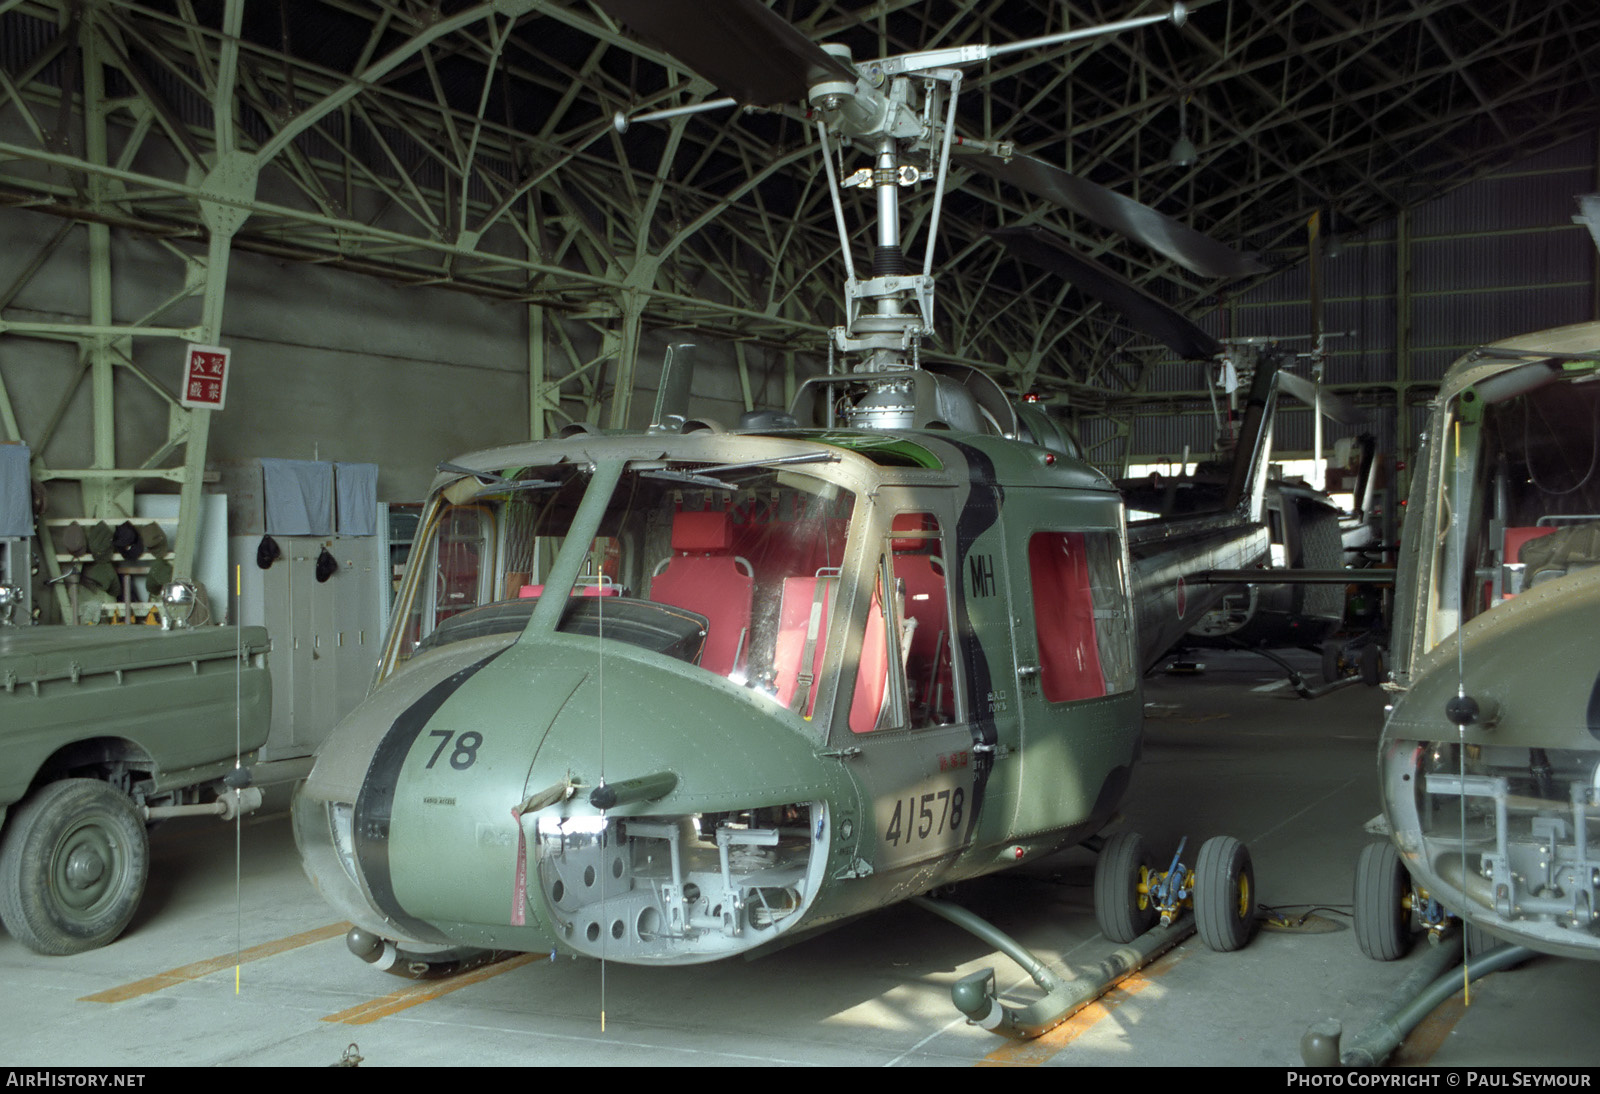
{"points": [[976, 997], [438, 963], [1130, 895]]}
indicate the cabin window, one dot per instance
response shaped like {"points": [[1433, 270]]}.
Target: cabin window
{"points": [[704, 562], [1080, 608], [916, 560], [904, 673]]}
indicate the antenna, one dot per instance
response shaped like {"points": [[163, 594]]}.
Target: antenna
{"points": [[238, 752]]}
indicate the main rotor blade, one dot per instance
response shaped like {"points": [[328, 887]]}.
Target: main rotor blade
{"points": [[748, 51], [1148, 315], [1334, 406], [1185, 246]]}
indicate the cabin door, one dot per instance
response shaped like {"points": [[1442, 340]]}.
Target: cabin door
{"points": [[911, 743], [1076, 681]]}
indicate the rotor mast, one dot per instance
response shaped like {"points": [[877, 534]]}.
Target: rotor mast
{"points": [[902, 111], [892, 107], [892, 311]]}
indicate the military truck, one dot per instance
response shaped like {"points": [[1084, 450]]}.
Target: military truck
{"points": [[105, 730]]}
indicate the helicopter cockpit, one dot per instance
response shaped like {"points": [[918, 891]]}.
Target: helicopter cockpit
{"points": [[1518, 489], [1489, 766], [734, 568], [739, 570]]}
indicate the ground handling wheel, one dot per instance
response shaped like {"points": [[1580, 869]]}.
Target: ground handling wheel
{"points": [[1332, 661], [1224, 894], [73, 863], [1371, 665], [1382, 919], [1122, 904]]}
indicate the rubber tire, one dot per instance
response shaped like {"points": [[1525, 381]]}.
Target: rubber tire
{"points": [[1116, 888], [61, 828], [1371, 665], [1331, 651], [1224, 894], [1382, 922]]}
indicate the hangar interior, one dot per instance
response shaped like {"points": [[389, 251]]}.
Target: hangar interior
{"points": [[420, 232]]}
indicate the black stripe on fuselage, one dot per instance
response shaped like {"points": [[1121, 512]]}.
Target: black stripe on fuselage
{"points": [[1593, 713], [980, 512], [375, 805]]}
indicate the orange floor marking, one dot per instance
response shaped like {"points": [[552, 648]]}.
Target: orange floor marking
{"points": [[200, 969], [413, 994], [1046, 1045]]}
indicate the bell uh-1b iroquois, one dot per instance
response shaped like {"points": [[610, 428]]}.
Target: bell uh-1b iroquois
{"points": [[674, 695], [1490, 757]]}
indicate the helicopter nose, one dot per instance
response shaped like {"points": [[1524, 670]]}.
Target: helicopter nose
{"points": [[324, 833], [342, 813], [509, 804]]}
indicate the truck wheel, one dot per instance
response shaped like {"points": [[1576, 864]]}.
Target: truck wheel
{"points": [[1123, 912], [73, 862]]}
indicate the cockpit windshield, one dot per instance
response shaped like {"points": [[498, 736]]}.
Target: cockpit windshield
{"points": [[1518, 483], [691, 560]]}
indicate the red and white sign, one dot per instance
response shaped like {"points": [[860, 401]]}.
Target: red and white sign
{"points": [[205, 377]]}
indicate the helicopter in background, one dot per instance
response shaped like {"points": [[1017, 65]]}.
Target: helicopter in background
{"points": [[677, 695], [1313, 541], [1490, 757], [1310, 532]]}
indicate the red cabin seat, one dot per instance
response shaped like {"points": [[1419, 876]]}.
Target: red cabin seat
{"points": [[704, 576], [802, 622], [526, 591], [803, 625]]}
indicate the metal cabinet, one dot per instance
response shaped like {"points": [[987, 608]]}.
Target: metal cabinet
{"points": [[325, 634]]}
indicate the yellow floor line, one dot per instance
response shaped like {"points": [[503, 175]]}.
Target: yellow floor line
{"points": [[213, 965], [1046, 1045], [422, 991]]}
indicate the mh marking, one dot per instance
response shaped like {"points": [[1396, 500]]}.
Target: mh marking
{"points": [[980, 569]]}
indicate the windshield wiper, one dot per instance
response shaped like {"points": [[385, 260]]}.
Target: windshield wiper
{"points": [[705, 475], [494, 479]]}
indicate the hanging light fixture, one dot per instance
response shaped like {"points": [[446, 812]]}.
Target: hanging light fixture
{"points": [[1183, 149]]}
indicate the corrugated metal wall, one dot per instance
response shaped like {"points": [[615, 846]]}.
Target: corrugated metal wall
{"points": [[1497, 258]]}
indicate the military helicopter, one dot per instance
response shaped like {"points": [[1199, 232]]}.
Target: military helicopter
{"points": [[1309, 533], [676, 695], [1490, 755]]}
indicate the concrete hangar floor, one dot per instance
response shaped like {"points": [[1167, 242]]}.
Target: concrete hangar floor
{"points": [[202, 979]]}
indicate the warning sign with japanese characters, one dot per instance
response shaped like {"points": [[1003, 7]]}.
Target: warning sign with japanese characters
{"points": [[205, 377]]}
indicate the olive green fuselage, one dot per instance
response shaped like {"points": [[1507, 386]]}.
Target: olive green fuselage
{"points": [[668, 698], [1491, 751]]}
